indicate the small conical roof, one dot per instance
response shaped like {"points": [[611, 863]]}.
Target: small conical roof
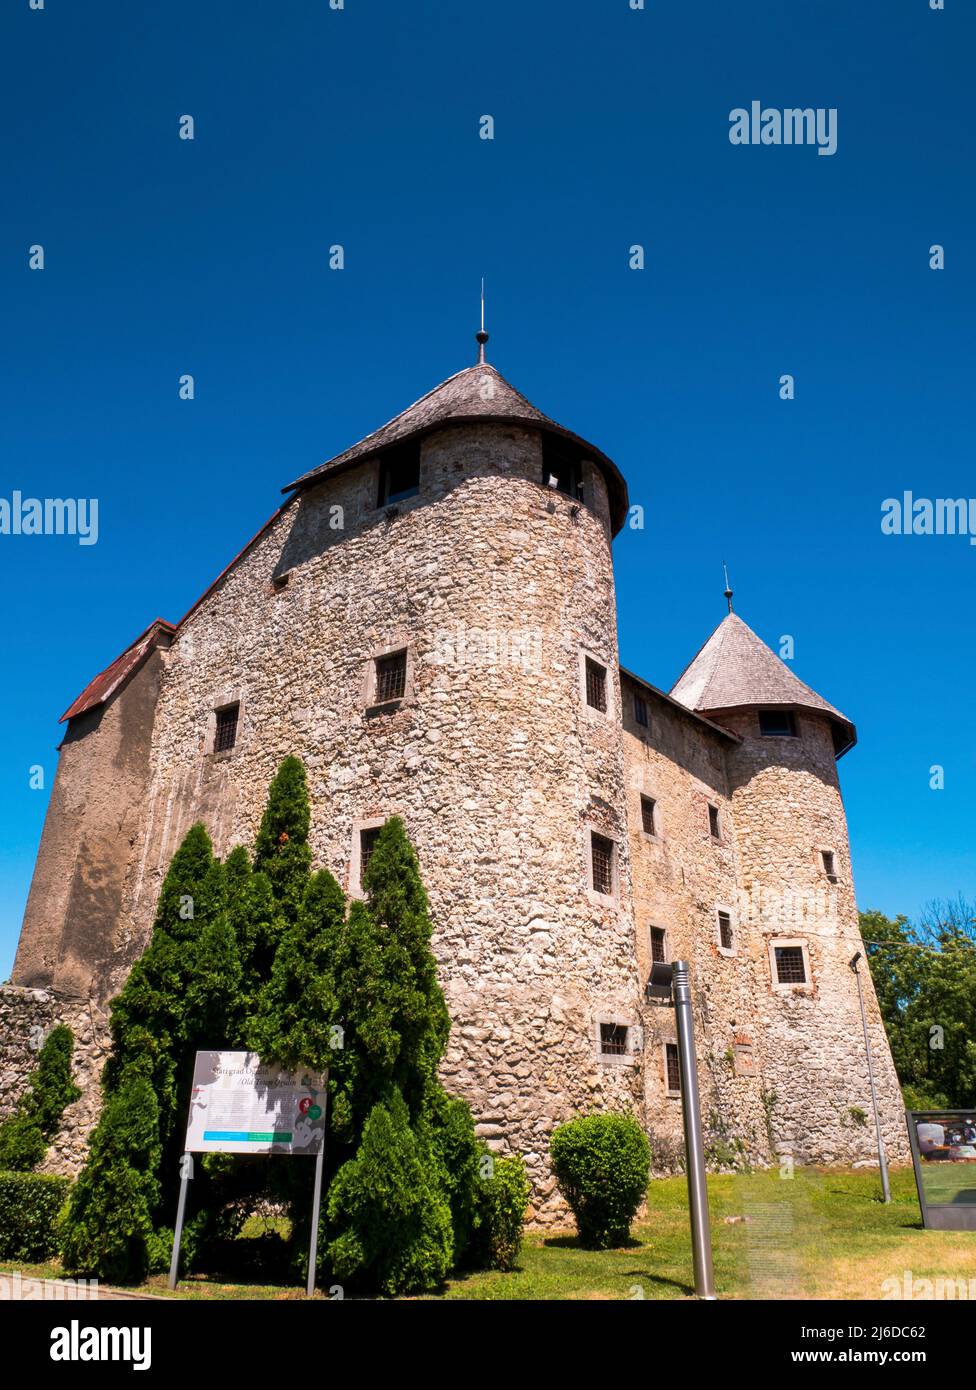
{"points": [[474, 394], [735, 669]]}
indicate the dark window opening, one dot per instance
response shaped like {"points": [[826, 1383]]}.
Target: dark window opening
{"points": [[648, 806], [790, 969], [613, 1039], [399, 474], [391, 677], [829, 864], [714, 829], [658, 945], [777, 723], [640, 710], [225, 731], [562, 467], [367, 843], [725, 930], [596, 685], [672, 1067], [601, 851]]}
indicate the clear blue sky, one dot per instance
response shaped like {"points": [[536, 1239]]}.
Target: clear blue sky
{"points": [[360, 127]]}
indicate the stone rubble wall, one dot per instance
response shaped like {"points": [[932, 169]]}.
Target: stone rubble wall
{"points": [[787, 808], [26, 1018], [681, 878]]}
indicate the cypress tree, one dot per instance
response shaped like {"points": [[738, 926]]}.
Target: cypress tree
{"points": [[183, 993], [390, 1218], [298, 1007], [281, 850], [252, 913], [410, 1025], [108, 1224]]}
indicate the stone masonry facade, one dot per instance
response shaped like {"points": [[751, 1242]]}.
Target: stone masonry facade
{"points": [[522, 760]]}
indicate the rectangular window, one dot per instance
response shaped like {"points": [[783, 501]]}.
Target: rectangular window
{"points": [[725, 931], [601, 856], [672, 1068], [399, 474], [829, 864], [714, 826], [596, 685], [659, 945], [648, 807], [777, 723], [640, 710], [790, 969], [562, 469], [613, 1039], [367, 843], [225, 729], [391, 677]]}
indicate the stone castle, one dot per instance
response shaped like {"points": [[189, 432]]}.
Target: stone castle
{"points": [[429, 621]]}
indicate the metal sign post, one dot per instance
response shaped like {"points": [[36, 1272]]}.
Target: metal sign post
{"points": [[313, 1245], [186, 1173]]}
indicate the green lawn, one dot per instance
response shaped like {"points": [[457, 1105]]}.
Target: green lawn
{"points": [[822, 1234]]}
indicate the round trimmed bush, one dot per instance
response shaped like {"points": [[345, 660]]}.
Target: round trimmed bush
{"points": [[601, 1163]]}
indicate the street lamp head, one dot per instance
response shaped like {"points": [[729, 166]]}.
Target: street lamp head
{"points": [[854, 960], [659, 984]]}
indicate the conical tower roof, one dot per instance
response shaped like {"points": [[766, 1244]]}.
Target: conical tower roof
{"points": [[735, 670], [475, 394]]}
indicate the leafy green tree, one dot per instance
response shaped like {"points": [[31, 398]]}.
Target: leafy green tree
{"points": [[925, 979], [25, 1135]]}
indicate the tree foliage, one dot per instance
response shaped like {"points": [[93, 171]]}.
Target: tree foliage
{"points": [[602, 1163], [925, 978], [262, 954], [26, 1134]]}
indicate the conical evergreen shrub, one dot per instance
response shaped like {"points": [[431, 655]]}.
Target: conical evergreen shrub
{"points": [[108, 1225], [281, 850], [390, 1219]]}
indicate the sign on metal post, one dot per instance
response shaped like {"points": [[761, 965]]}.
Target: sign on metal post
{"points": [[944, 1154], [240, 1105]]}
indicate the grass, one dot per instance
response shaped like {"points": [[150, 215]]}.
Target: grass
{"points": [[825, 1234]]}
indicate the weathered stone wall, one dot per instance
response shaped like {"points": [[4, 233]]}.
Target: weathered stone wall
{"points": [[787, 808], [26, 1018], [681, 878], [499, 768], [97, 809]]}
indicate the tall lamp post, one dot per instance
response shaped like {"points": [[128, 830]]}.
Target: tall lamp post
{"points": [[882, 1160], [674, 981]]}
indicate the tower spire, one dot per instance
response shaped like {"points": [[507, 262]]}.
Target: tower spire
{"points": [[727, 595], [481, 337]]}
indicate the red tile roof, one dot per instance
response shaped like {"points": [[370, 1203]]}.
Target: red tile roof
{"points": [[96, 692]]}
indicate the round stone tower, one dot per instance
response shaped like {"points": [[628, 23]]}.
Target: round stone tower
{"points": [[797, 917], [430, 623]]}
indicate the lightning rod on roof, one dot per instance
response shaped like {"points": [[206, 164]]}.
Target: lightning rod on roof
{"points": [[728, 592], [481, 336]]}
